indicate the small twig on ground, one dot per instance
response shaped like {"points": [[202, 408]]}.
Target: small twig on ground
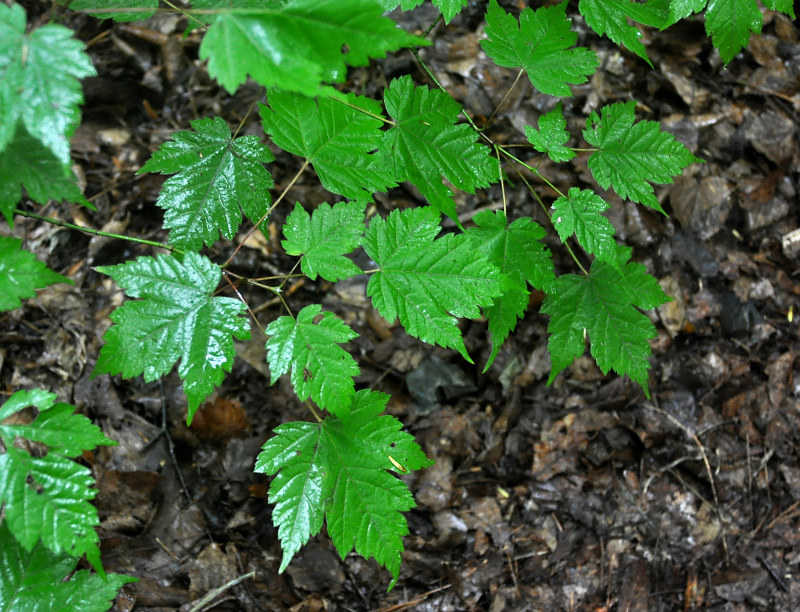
{"points": [[412, 602], [164, 432], [214, 593], [707, 465], [170, 444], [512, 567]]}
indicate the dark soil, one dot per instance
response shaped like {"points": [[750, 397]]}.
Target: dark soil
{"points": [[583, 495]]}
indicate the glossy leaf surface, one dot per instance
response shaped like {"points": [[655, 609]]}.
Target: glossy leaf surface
{"points": [[338, 470], [428, 283], [309, 347], [299, 45], [610, 17], [335, 137], [324, 237], [176, 318], [542, 44], [604, 305], [36, 580], [217, 178], [631, 155], [580, 213], [426, 145], [21, 274], [517, 251], [39, 81], [47, 497], [551, 136]]}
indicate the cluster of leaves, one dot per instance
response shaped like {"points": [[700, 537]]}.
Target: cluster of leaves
{"points": [[337, 469], [729, 23], [426, 281], [40, 96], [49, 522]]}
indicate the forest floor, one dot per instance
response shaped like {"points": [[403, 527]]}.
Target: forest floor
{"points": [[581, 495]]}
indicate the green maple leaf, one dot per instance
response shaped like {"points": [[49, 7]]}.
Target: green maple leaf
{"points": [[728, 22], [176, 318], [551, 136], [35, 580], [320, 369], [57, 426], [540, 44], [300, 44], [425, 144], [642, 288], [631, 155], [206, 11], [338, 471], [21, 274], [324, 237], [680, 9], [449, 8], [113, 9], [48, 496], [53, 505], [424, 282], [298, 491], [579, 213], [784, 6], [27, 163], [333, 135], [610, 17], [39, 83], [218, 178], [517, 251], [604, 306]]}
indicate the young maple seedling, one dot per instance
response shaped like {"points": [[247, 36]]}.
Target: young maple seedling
{"points": [[335, 469]]}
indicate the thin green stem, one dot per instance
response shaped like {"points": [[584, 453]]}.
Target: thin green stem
{"points": [[277, 290], [255, 282], [246, 115], [433, 78], [227, 275], [105, 10], [241, 298], [313, 410], [365, 111], [532, 169], [186, 14], [433, 25], [279, 277], [288, 276], [94, 232], [266, 214], [514, 158], [508, 93], [286, 306], [502, 182], [280, 197]]}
